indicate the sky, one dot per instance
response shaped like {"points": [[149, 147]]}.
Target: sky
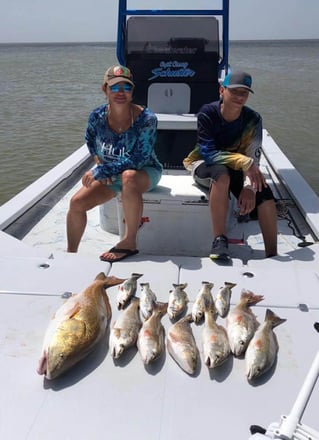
{"points": [[96, 20]]}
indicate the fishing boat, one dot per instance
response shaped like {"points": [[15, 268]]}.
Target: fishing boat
{"points": [[178, 58]]}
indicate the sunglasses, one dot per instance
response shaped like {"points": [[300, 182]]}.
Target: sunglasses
{"points": [[124, 88]]}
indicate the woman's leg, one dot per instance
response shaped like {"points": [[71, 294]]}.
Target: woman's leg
{"points": [[82, 201], [134, 184]]}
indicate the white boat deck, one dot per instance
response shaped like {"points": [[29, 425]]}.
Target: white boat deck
{"points": [[123, 399]]}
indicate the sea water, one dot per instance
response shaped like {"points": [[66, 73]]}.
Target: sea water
{"points": [[48, 90]]}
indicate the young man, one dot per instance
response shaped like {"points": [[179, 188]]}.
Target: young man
{"points": [[226, 158]]}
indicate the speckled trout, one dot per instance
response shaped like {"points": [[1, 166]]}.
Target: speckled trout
{"points": [[147, 300], [203, 301], [76, 328], [263, 347], [150, 341], [241, 323], [216, 348], [124, 331], [177, 300], [127, 289], [181, 344], [222, 298]]}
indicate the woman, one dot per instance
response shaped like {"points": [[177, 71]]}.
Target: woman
{"points": [[120, 136]]}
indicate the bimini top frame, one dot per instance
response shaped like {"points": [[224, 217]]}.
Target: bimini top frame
{"points": [[124, 13]]}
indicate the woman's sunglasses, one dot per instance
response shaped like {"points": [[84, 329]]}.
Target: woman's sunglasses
{"points": [[124, 88]]}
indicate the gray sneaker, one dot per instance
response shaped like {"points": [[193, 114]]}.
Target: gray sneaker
{"points": [[219, 249]]}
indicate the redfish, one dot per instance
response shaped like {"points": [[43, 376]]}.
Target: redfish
{"points": [[151, 337], [181, 344], [76, 328], [216, 348], [241, 323], [262, 349], [124, 331]]}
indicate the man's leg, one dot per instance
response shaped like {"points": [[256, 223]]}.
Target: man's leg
{"points": [[219, 202], [267, 217]]}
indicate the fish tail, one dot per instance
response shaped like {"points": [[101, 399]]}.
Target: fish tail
{"points": [[112, 281], [182, 286], [229, 284], [208, 284], [100, 276], [250, 298], [161, 307], [273, 318]]}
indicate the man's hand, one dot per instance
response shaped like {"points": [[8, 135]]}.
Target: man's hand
{"points": [[256, 177], [246, 201]]}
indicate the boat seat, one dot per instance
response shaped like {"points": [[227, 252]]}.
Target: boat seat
{"points": [[176, 218]]}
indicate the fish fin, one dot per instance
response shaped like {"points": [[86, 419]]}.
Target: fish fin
{"points": [[117, 332], [73, 311], [107, 306], [188, 318]]}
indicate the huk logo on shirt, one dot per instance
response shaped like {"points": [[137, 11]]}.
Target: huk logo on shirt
{"points": [[109, 152], [172, 69]]}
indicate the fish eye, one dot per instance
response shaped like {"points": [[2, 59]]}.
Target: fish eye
{"points": [[61, 355]]}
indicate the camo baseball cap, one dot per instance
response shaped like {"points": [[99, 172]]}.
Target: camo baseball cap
{"points": [[238, 79], [116, 74]]}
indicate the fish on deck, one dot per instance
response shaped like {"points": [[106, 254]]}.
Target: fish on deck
{"points": [[127, 289], [203, 301], [151, 337], [177, 301], [241, 323], [263, 347], [181, 344], [222, 298], [216, 348], [147, 300], [124, 331], [76, 328]]}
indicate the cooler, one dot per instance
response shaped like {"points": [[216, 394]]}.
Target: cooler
{"points": [[176, 219]]}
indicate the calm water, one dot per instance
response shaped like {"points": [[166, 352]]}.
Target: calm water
{"points": [[47, 92]]}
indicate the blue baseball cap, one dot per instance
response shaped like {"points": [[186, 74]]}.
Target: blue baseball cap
{"points": [[238, 79]]}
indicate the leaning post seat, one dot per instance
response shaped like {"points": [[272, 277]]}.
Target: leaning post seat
{"points": [[174, 61]]}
